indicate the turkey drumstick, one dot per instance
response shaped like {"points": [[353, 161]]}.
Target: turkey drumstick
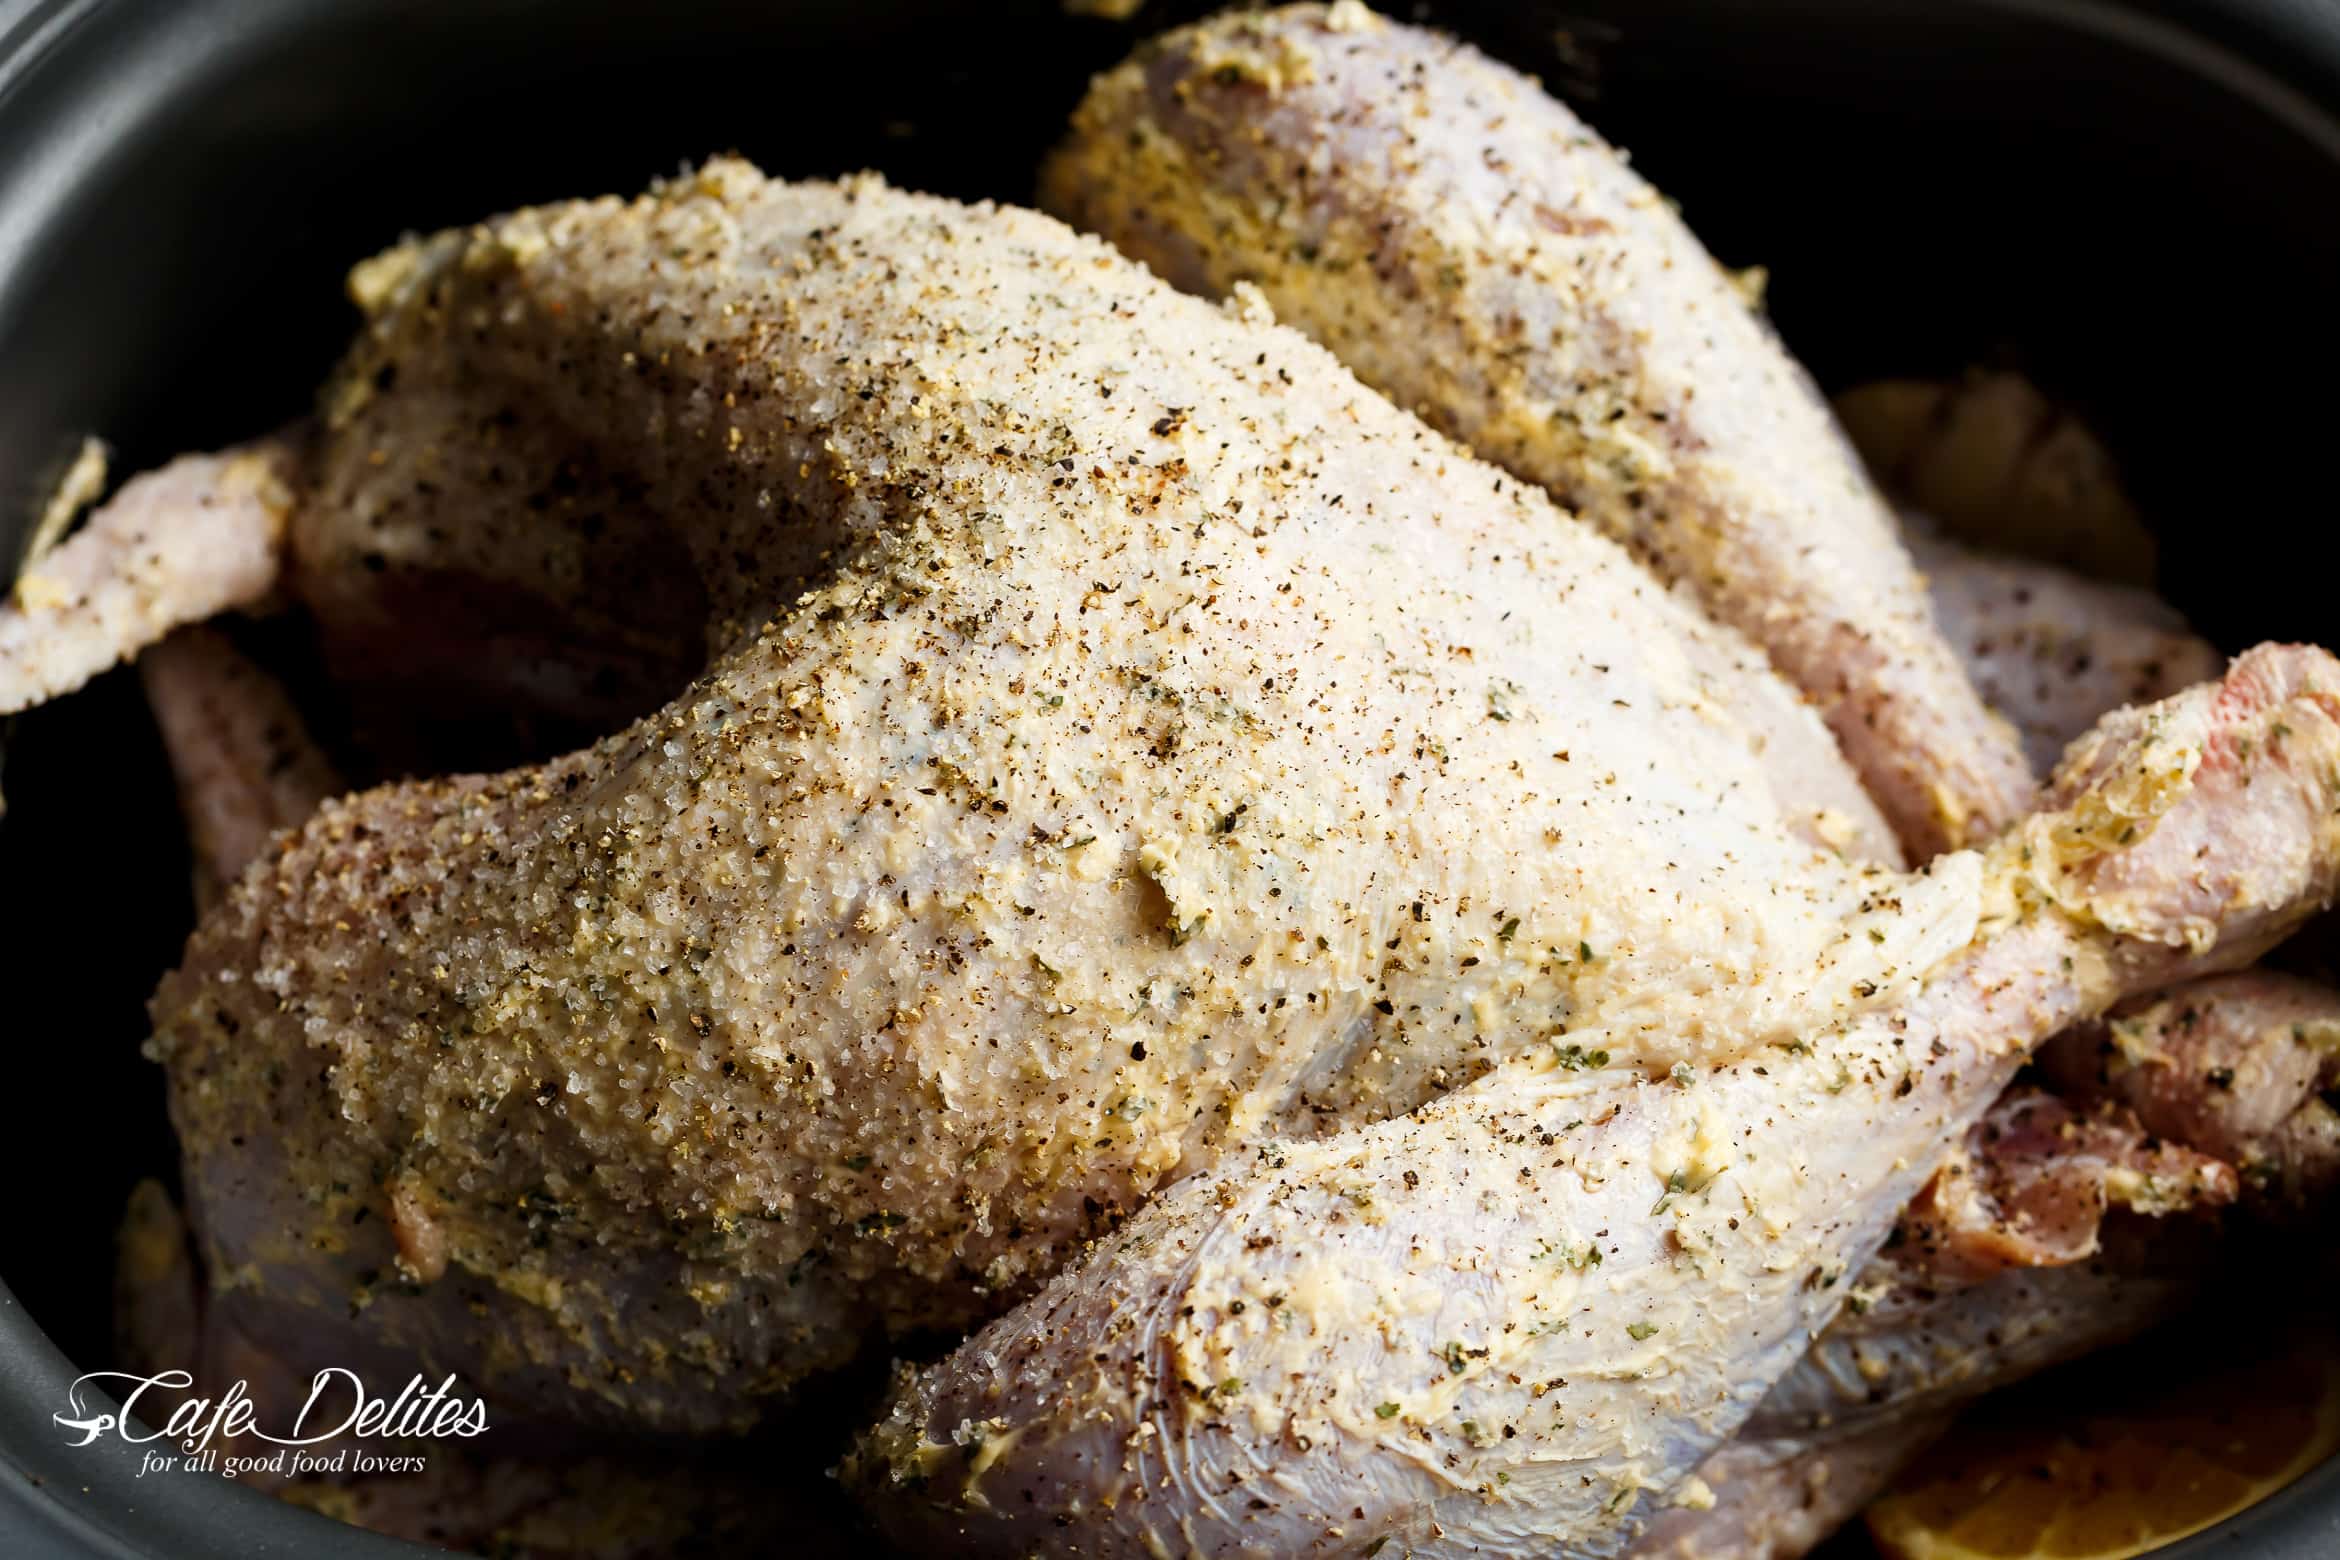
{"points": [[1466, 244], [2052, 651], [1517, 1319]]}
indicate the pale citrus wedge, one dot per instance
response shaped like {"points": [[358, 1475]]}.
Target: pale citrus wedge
{"points": [[2188, 1432]]}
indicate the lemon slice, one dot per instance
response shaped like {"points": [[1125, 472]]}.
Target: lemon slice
{"points": [[2143, 1458]]}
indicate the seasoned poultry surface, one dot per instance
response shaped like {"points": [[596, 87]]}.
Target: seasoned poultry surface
{"points": [[1176, 743], [1465, 243]]}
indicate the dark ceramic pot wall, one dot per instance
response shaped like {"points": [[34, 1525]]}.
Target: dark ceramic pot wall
{"points": [[2137, 204]]}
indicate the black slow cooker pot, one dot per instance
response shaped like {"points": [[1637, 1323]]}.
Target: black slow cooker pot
{"points": [[2137, 204]]}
